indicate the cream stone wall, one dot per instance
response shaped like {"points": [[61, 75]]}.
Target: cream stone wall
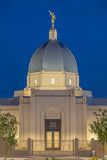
{"points": [[14, 110], [18, 93], [41, 103], [44, 104], [31, 79], [24, 118], [44, 80], [27, 91], [81, 116], [77, 80], [91, 117], [52, 34], [74, 79]]}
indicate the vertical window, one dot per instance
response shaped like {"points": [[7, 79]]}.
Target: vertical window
{"points": [[35, 81], [70, 81], [52, 81]]}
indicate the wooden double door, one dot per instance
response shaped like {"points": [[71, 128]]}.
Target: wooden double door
{"points": [[52, 134]]}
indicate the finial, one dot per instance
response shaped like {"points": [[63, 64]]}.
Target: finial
{"points": [[53, 19]]}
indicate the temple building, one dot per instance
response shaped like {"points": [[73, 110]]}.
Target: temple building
{"points": [[53, 109]]}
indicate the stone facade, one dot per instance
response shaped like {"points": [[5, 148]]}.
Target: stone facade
{"points": [[52, 105], [43, 81]]}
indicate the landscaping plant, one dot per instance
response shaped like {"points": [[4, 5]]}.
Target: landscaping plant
{"points": [[8, 129]]}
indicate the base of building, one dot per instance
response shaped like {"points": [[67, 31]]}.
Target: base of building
{"points": [[56, 157], [54, 153]]}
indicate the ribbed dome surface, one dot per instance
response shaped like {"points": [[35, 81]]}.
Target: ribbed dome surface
{"points": [[53, 56]]}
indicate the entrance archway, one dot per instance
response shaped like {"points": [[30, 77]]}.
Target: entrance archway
{"points": [[53, 134], [53, 112]]}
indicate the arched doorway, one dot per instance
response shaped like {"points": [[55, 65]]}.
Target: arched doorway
{"points": [[53, 134], [53, 112], [53, 129]]}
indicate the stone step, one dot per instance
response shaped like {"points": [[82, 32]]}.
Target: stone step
{"points": [[56, 158], [21, 152], [53, 153]]}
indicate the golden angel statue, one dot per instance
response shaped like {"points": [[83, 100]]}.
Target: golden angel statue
{"points": [[53, 19]]}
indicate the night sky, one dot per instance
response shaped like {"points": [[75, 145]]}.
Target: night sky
{"points": [[81, 25]]}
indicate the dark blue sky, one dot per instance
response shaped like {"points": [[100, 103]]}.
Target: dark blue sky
{"points": [[81, 26]]}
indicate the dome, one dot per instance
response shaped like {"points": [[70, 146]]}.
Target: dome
{"points": [[53, 56]]}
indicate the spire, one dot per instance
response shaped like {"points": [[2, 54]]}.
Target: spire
{"points": [[53, 18], [52, 32]]}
